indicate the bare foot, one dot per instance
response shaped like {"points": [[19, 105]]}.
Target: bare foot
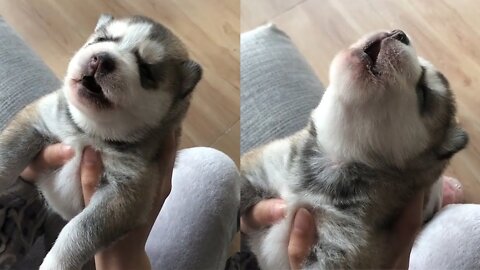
{"points": [[452, 191]]}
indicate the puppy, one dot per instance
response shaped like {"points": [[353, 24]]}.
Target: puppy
{"points": [[125, 90], [384, 129]]}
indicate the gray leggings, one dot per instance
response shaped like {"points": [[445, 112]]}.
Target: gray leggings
{"points": [[279, 90], [195, 226], [199, 218]]}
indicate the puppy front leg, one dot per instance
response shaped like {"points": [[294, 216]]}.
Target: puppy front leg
{"points": [[20, 142], [113, 211]]}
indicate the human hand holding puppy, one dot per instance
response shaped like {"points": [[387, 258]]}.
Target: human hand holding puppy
{"points": [[303, 235], [128, 252]]}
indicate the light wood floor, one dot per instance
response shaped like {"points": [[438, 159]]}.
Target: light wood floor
{"points": [[444, 31], [210, 29]]}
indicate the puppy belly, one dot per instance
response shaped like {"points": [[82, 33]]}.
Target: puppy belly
{"points": [[62, 189]]}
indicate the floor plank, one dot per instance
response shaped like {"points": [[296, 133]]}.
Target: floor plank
{"points": [[256, 12], [230, 140]]}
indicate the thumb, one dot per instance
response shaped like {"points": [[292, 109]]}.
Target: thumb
{"points": [[263, 214], [90, 172], [51, 157], [302, 238]]}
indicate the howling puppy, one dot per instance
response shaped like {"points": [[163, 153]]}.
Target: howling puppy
{"points": [[384, 129], [125, 90]]}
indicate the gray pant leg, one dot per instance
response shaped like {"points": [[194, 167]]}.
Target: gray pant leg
{"points": [[278, 88], [451, 240], [199, 218]]}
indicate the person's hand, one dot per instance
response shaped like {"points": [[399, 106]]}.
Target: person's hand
{"points": [[302, 234], [404, 232], [50, 158], [129, 251]]}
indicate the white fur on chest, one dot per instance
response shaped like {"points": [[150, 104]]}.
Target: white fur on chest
{"points": [[62, 188]]}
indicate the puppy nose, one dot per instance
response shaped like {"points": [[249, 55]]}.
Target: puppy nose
{"points": [[400, 36], [101, 62]]}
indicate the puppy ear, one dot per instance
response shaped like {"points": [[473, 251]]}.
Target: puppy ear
{"points": [[455, 141], [191, 73], [103, 20]]}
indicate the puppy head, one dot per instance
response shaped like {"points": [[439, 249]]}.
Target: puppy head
{"points": [[384, 104], [130, 74]]}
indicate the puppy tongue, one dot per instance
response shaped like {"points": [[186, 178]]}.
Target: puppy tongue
{"points": [[373, 49]]}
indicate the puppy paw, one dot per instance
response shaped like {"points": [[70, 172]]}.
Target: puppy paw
{"points": [[52, 263]]}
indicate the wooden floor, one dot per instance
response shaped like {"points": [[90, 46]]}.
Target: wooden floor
{"points": [[444, 31], [210, 29]]}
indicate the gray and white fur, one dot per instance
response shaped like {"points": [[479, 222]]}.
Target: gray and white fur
{"points": [[384, 129], [127, 88]]}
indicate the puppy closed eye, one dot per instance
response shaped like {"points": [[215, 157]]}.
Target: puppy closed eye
{"points": [[422, 92], [105, 39], [145, 71], [147, 78]]}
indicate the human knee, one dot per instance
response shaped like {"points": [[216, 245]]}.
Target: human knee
{"points": [[212, 167]]}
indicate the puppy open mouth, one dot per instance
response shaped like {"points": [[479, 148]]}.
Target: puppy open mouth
{"points": [[374, 46], [92, 91], [91, 86], [372, 50]]}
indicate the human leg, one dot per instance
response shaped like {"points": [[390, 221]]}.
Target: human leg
{"points": [[451, 240], [199, 218]]}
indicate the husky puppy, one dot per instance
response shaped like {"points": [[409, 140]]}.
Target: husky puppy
{"points": [[384, 129], [124, 91]]}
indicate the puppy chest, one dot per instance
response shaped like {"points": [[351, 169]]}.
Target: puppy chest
{"points": [[62, 189]]}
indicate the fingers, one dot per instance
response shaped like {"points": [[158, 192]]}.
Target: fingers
{"points": [[263, 214], [405, 231], [167, 156], [410, 220], [166, 163], [90, 172], [50, 158], [302, 235], [302, 238]]}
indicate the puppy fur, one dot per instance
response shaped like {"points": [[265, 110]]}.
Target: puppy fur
{"points": [[126, 89], [384, 129]]}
